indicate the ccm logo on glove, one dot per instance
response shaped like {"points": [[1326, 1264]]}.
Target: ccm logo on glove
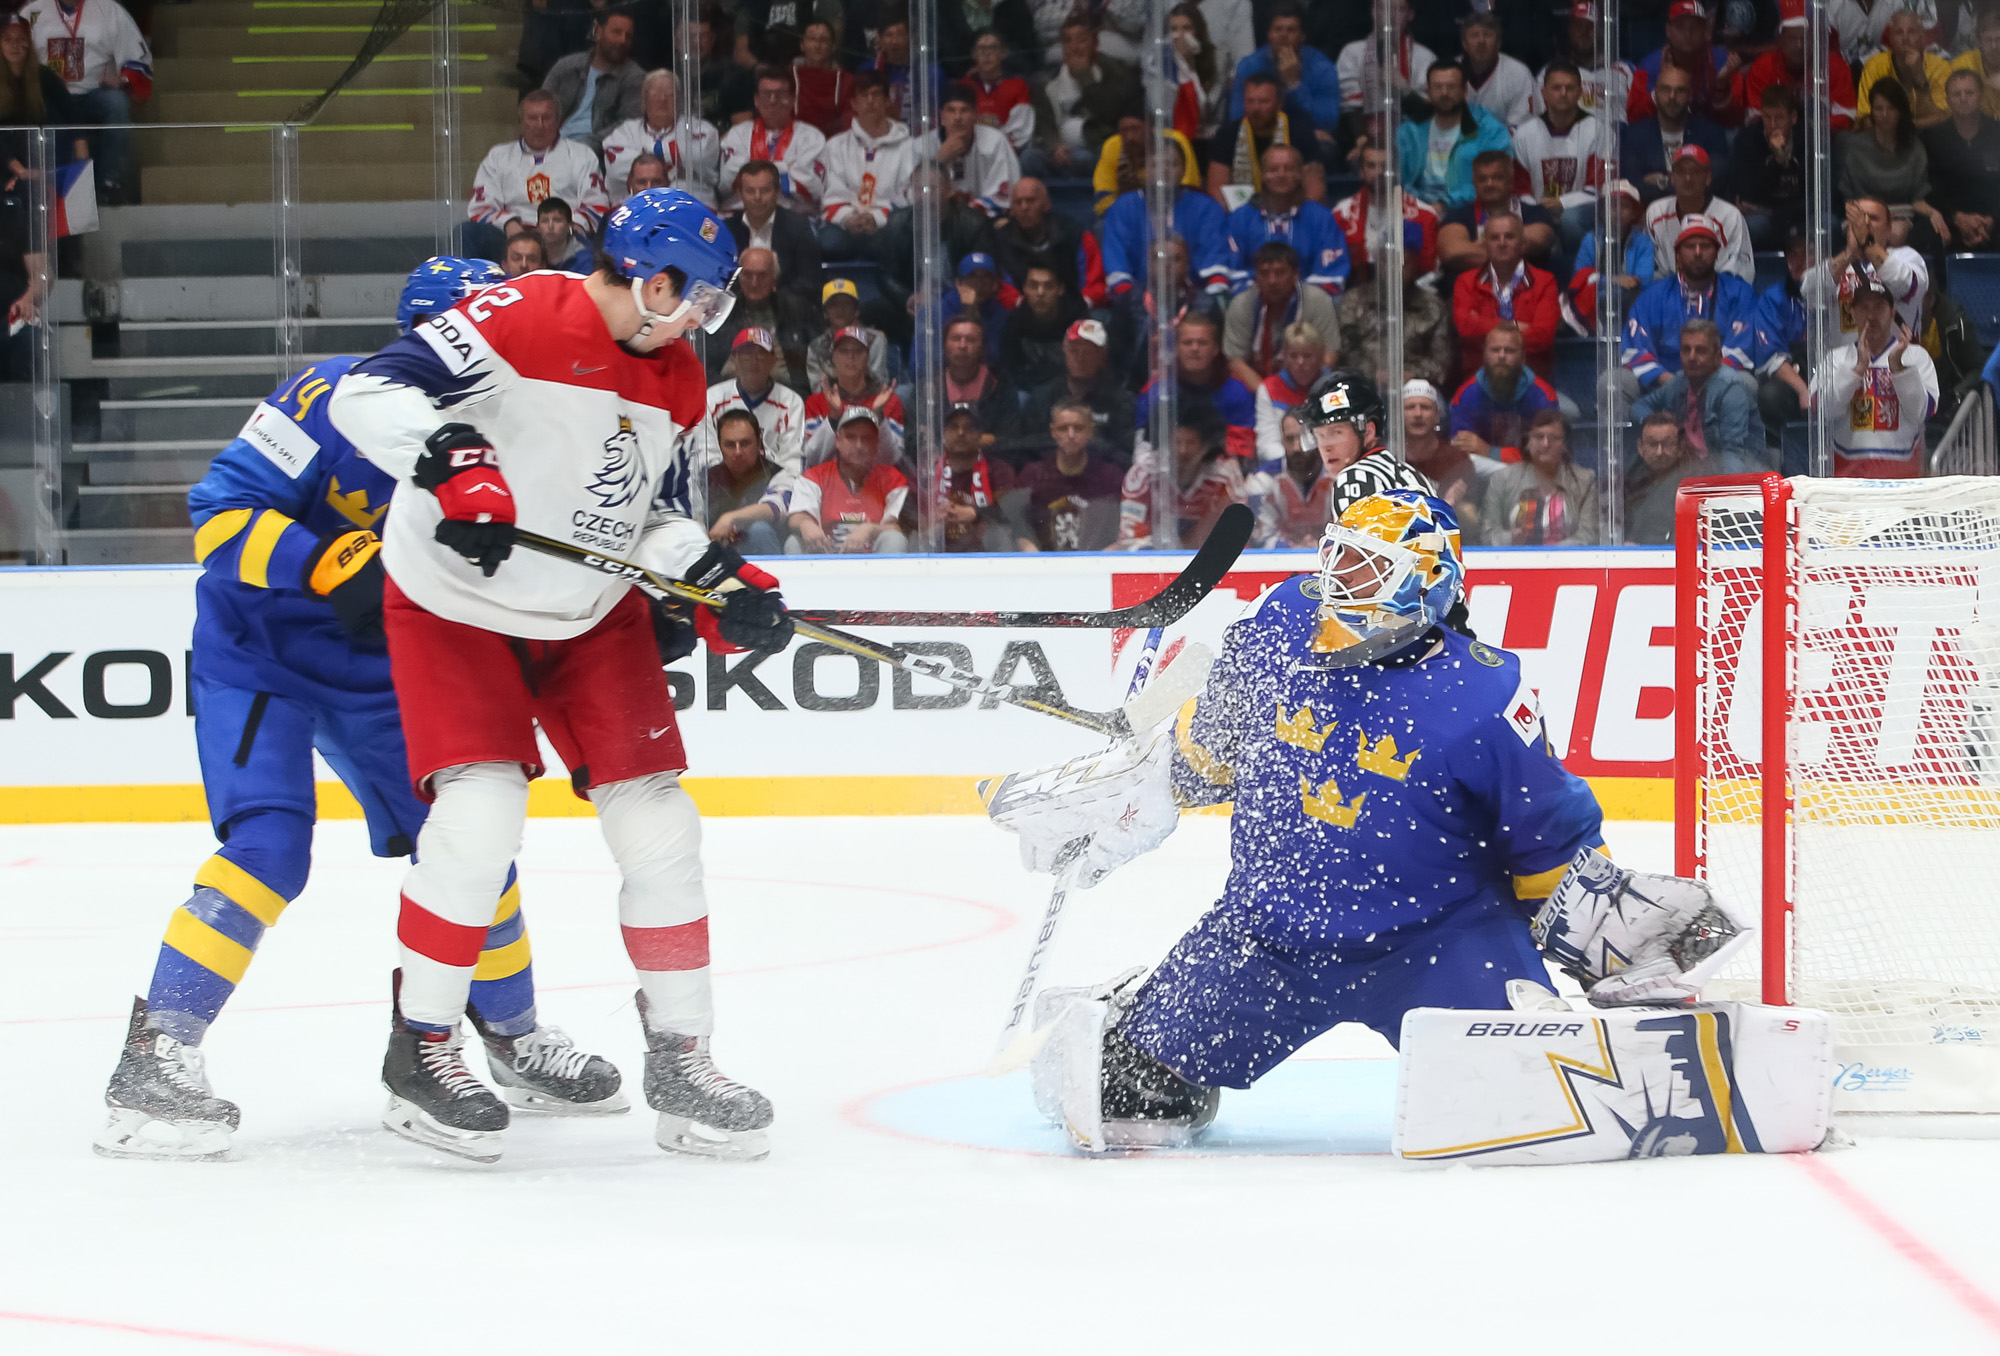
{"points": [[460, 467]]}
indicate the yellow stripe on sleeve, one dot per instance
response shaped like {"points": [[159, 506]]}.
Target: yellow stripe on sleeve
{"points": [[205, 946], [1543, 883], [1210, 768], [503, 961], [510, 904], [259, 900], [218, 530], [254, 565]]}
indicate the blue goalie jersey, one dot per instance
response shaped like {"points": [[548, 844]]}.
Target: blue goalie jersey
{"points": [[1375, 800], [285, 483]]}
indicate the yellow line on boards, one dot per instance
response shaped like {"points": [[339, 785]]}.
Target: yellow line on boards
{"points": [[551, 797]]}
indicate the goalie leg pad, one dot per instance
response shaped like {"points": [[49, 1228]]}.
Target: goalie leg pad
{"points": [[1633, 937], [1548, 1087]]}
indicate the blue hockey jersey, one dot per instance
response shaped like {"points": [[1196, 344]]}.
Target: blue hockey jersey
{"points": [[286, 482], [1652, 344], [1198, 219], [1371, 800], [1308, 228]]}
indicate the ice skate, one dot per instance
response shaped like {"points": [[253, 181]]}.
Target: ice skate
{"points": [[701, 1111], [543, 1071], [161, 1104], [433, 1098]]}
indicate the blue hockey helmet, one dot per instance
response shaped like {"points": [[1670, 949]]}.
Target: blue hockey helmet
{"points": [[665, 228], [1389, 570], [439, 283]]}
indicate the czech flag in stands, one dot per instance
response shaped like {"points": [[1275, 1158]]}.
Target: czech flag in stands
{"points": [[75, 204]]}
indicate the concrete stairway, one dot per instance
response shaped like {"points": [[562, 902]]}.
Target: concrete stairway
{"points": [[170, 341]]}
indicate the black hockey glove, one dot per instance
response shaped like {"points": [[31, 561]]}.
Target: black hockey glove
{"points": [[346, 570], [674, 629], [459, 466], [754, 617]]}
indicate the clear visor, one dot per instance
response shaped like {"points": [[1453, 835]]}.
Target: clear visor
{"points": [[1357, 571], [708, 304]]}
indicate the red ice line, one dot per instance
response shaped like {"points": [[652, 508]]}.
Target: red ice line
{"points": [[177, 1334], [1919, 1254]]}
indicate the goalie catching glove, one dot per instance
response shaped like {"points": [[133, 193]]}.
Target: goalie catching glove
{"points": [[1120, 800], [1631, 937]]}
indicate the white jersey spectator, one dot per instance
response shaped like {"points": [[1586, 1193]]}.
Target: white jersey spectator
{"points": [[1358, 70], [514, 178], [1902, 270], [1507, 87], [866, 173], [1233, 31], [795, 150], [84, 43], [690, 147], [1594, 85], [1567, 165], [1663, 223], [780, 413], [1875, 424], [1858, 27], [978, 161]]}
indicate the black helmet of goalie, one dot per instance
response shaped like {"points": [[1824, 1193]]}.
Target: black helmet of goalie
{"points": [[1343, 396], [1389, 571]]}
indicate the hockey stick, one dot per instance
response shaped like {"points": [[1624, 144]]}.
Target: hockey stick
{"points": [[1019, 1039], [1137, 714], [1225, 543]]}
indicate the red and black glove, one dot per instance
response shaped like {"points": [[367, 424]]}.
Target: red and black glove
{"points": [[346, 570], [459, 466], [754, 617]]}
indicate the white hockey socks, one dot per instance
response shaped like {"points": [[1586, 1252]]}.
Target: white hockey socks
{"points": [[463, 851], [654, 833]]}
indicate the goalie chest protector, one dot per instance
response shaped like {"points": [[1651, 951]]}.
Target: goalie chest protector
{"points": [[1588, 1087]]}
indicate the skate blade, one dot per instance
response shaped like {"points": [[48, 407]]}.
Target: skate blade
{"points": [[418, 1126], [680, 1135], [1129, 1135], [541, 1103], [134, 1134]]}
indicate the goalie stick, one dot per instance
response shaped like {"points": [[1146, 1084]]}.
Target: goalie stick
{"points": [[1225, 543], [1020, 1038], [1137, 714]]}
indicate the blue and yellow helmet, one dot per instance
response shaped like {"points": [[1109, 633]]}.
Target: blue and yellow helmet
{"points": [[1389, 571], [439, 283]]}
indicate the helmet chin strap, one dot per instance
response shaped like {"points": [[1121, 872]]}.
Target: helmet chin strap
{"points": [[648, 317]]}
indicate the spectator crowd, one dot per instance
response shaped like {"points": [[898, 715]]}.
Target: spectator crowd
{"points": [[803, 138]]}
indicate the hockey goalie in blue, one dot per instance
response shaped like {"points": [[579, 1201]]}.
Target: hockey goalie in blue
{"points": [[1398, 818], [289, 658]]}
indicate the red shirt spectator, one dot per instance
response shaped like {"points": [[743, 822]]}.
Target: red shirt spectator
{"points": [[822, 92], [1508, 288], [1420, 221], [852, 502], [1785, 64]]}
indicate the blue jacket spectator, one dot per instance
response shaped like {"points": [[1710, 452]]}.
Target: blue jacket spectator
{"points": [[1638, 255], [1479, 131], [1652, 344], [1308, 228], [1780, 325], [1500, 421], [1318, 89], [1198, 219], [1730, 421]]}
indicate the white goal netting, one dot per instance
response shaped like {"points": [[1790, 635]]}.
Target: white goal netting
{"points": [[1890, 755]]}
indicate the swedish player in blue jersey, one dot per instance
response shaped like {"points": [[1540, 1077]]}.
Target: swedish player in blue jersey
{"points": [[289, 658], [1398, 817]]}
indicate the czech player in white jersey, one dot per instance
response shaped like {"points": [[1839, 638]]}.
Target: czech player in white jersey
{"points": [[556, 403]]}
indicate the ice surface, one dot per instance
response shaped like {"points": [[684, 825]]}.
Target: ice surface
{"points": [[863, 967]]}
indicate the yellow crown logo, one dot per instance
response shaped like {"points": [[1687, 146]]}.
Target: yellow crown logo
{"points": [[1302, 730], [1382, 758], [1325, 804]]}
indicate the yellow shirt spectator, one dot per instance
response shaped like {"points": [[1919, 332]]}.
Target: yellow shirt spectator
{"points": [[1105, 178], [1881, 67]]}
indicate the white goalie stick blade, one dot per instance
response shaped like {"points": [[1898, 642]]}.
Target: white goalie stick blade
{"points": [[1171, 689], [134, 1134], [413, 1123]]}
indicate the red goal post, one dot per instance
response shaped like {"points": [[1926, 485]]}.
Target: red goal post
{"points": [[1837, 762]]}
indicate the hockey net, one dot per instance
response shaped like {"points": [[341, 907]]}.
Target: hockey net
{"points": [[1840, 772]]}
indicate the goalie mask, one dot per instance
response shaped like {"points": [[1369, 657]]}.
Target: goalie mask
{"points": [[1389, 571]]}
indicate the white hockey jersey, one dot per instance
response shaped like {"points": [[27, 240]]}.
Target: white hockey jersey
{"points": [[1903, 272], [513, 181], [1358, 71], [1567, 165], [1507, 91], [985, 173], [795, 151], [81, 42], [691, 149], [587, 434], [866, 173], [1876, 426], [1663, 223], [781, 414]]}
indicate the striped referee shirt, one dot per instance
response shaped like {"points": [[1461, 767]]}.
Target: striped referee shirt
{"points": [[1377, 471]]}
